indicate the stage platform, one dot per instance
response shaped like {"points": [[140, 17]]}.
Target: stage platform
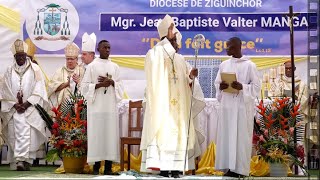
{"points": [[47, 172]]}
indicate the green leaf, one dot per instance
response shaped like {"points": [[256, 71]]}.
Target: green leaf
{"points": [[52, 155]]}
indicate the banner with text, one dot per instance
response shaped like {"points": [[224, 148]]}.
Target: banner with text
{"points": [[130, 25]]}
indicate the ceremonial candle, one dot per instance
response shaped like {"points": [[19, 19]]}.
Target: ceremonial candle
{"points": [[281, 69], [265, 77], [273, 73]]}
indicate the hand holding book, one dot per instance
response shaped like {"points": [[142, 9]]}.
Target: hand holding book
{"points": [[229, 83]]}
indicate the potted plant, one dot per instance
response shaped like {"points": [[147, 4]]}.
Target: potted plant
{"points": [[274, 135], [68, 133]]}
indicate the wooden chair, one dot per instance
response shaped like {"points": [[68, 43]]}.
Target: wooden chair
{"points": [[138, 128]]}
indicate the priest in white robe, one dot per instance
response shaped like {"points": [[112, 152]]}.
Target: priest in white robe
{"points": [[102, 88], [237, 110], [167, 109], [23, 128], [88, 49], [284, 86], [67, 79]]}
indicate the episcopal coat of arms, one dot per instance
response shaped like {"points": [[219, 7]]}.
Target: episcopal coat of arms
{"points": [[54, 22]]}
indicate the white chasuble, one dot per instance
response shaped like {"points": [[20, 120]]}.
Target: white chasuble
{"points": [[61, 76], [23, 132], [167, 113]]}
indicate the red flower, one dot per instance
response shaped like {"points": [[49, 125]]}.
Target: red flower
{"points": [[281, 106], [296, 107], [294, 114], [55, 125], [80, 102], [76, 143], [282, 101], [255, 138], [55, 110], [283, 118], [85, 123], [263, 152], [61, 142], [300, 151], [55, 132]]}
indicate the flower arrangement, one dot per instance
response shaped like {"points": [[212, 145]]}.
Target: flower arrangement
{"points": [[274, 132], [69, 130]]}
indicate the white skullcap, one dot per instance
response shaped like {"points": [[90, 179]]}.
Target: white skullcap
{"points": [[19, 47], [89, 42], [71, 50], [163, 26]]}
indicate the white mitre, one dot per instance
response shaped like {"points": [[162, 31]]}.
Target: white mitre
{"points": [[163, 26], [89, 42]]}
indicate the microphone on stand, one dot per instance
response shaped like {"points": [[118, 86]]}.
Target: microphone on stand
{"points": [[198, 41]]}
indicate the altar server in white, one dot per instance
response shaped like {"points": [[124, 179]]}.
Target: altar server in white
{"points": [[235, 126], [102, 88]]}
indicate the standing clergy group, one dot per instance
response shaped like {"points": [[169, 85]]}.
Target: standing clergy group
{"points": [[171, 137]]}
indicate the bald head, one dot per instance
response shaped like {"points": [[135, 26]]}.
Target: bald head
{"points": [[288, 68]]}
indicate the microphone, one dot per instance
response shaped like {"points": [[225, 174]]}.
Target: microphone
{"points": [[198, 41]]}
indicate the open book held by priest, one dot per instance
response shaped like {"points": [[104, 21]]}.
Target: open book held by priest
{"points": [[229, 78]]}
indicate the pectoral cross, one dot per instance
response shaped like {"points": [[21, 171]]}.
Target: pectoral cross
{"points": [[109, 76], [19, 97], [20, 93], [174, 77]]}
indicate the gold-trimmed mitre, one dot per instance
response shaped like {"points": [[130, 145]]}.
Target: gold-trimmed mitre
{"points": [[19, 47], [163, 26], [71, 50]]}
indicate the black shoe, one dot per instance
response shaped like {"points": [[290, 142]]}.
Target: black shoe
{"points": [[238, 175], [233, 174], [20, 166], [96, 168], [108, 168], [35, 162], [26, 166], [164, 173], [229, 173], [175, 174]]}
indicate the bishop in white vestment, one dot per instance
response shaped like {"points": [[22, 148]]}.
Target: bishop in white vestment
{"points": [[167, 108], [102, 88], [88, 49], [237, 110], [67, 79], [23, 127]]}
